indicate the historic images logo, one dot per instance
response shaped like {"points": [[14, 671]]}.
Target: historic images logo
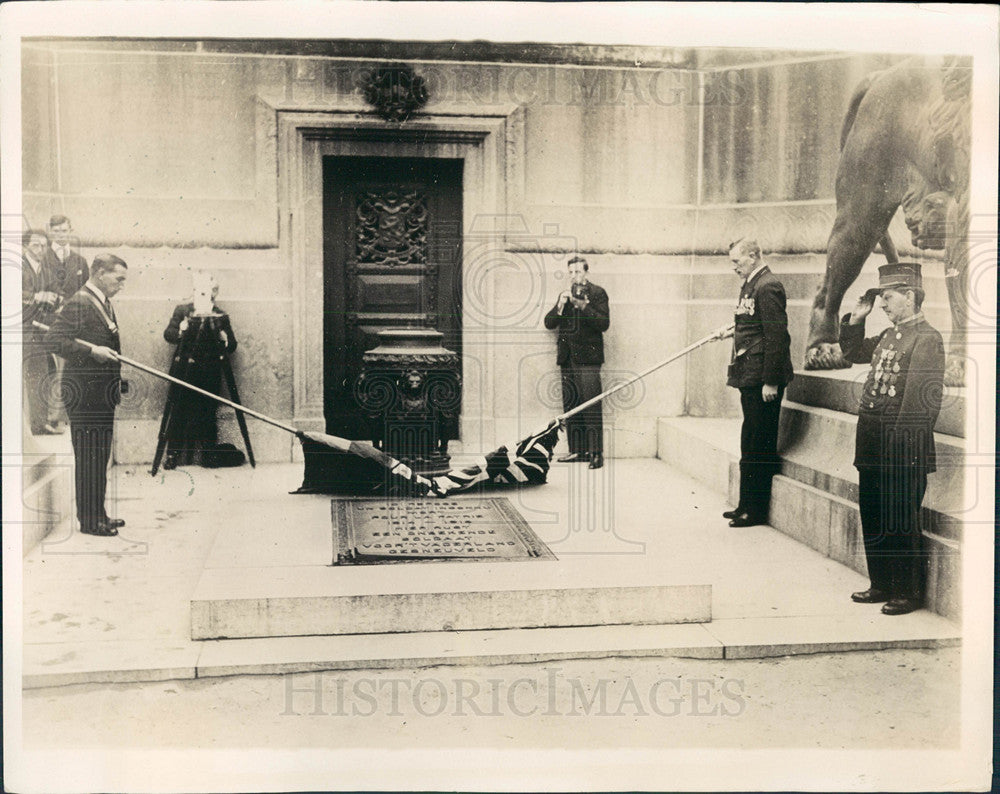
{"points": [[548, 694]]}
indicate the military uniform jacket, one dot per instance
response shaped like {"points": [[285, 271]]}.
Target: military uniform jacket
{"points": [[761, 344], [91, 385], [901, 398], [581, 331]]}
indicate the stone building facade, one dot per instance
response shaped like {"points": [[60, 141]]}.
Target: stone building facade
{"points": [[229, 155]]}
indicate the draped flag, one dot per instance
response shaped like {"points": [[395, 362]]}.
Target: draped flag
{"points": [[524, 463]]}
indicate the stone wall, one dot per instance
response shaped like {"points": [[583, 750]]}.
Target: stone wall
{"points": [[167, 153]]}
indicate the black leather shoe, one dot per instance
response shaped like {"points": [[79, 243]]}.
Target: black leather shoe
{"points": [[114, 523], [746, 520], [870, 596], [596, 460], [101, 530], [732, 513], [575, 457], [900, 606], [170, 463]]}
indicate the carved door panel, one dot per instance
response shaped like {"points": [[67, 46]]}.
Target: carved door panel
{"points": [[392, 248]]}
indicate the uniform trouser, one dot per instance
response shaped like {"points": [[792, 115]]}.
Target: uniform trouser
{"points": [[759, 460], [38, 371], [91, 436], [585, 430], [889, 498]]}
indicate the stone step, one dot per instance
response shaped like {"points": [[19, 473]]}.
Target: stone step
{"points": [[817, 449], [47, 495], [814, 499], [451, 596], [840, 390], [95, 662]]}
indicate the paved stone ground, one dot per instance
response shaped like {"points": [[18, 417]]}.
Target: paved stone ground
{"points": [[84, 597], [892, 699]]}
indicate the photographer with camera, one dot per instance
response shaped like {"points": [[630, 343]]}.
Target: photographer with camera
{"points": [[581, 316], [203, 335]]}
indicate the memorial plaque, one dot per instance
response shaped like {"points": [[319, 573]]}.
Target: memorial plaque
{"points": [[376, 531]]}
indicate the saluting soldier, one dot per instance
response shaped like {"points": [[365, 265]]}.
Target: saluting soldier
{"points": [[894, 447]]}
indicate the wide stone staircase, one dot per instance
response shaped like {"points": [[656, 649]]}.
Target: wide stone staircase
{"points": [[815, 497]]}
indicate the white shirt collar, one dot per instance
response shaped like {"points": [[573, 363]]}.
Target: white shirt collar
{"points": [[35, 264], [755, 272], [62, 251]]}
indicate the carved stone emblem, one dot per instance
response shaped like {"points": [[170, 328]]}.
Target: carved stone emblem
{"points": [[395, 92]]}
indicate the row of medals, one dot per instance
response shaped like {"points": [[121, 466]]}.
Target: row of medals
{"points": [[885, 379]]}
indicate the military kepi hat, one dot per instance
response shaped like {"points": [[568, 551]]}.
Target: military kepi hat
{"points": [[897, 275]]}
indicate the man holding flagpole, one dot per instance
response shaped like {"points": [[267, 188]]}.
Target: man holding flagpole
{"points": [[92, 385], [761, 367]]}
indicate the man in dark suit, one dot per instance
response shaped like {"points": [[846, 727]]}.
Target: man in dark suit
{"points": [[69, 267], [761, 367], [203, 334], [894, 445], [70, 272], [92, 385], [39, 300], [581, 315]]}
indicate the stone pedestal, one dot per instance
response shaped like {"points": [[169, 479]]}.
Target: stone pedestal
{"points": [[410, 391]]}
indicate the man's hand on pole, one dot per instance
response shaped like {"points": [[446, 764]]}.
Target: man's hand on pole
{"points": [[723, 333], [103, 354]]}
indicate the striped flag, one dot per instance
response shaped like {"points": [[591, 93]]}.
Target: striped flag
{"points": [[524, 463]]}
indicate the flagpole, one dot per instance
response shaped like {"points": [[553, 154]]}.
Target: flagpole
{"points": [[185, 384], [719, 333]]}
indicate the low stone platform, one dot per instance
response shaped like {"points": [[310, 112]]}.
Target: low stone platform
{"points": [[99, 610], [249, 590]]}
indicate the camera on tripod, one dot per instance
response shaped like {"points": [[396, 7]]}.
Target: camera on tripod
{"points": [[203, 337]]}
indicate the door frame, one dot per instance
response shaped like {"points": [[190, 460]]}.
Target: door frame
{"points": [[491, 149]]}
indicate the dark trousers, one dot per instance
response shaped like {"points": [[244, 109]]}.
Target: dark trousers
{"points": [[889, 498], [91, 436], [759, 460], [585, 430], [38, 372]]}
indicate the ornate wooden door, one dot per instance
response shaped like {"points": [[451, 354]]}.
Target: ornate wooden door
{"points": [[392, 249]]}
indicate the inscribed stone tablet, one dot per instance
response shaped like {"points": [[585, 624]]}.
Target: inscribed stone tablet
{"points": [[423, 530]]}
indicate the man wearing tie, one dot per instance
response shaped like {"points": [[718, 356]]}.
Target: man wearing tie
{"points": [[581, 316], [69, 267], [761, 367], [92, 385], [39, 299], [69, 272]]}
